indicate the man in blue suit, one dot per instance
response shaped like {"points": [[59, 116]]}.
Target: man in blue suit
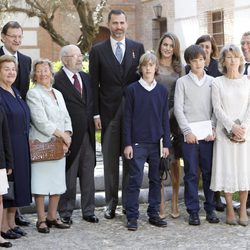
{"points": [[11, 37], [113, 65]]}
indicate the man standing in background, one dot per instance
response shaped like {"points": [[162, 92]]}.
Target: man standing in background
{"points": [[245, 47], [11, 37], [113, 64]]}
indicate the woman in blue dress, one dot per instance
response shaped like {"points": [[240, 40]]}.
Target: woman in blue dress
{"points": [[18, 118]]}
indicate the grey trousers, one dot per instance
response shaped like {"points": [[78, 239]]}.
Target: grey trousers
{"points": [[112, 148], [83, 166]]}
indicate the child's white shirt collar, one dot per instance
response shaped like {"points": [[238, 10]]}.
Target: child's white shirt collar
{"points": [[196, 80], [146, 86]]}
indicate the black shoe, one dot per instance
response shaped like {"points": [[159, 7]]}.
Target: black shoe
{"points": [[109, 213], [212, 218], [194, 219], [21, 221], [219, 206], [91, 218], [19, 230], [66, 220], [157, 221], [248, 200], [6, 244], [132, 225], [43, 230], [56, 223], [10, 235]]}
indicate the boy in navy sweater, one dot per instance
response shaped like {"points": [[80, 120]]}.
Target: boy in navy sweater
{"points": [[192, 104], [146, 121]]}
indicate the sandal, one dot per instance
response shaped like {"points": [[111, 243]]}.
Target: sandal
{"points": [[43, 230]]}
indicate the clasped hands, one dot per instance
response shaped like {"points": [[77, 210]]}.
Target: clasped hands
{"points": [[238, 131]]}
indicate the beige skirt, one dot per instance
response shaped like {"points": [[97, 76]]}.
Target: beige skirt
{"points": [[3, 182]]}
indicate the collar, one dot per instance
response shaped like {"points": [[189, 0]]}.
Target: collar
{"points": [[197, 81], [146, 86], [6, 52], [114, 42]]}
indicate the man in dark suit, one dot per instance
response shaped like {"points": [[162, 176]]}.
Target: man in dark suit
{"points": [[245, 47], [113, 65], [11, 37], [74, 84]]}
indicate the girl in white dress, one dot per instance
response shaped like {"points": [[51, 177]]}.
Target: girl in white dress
{"points": [[231, 103], [6, 163]]}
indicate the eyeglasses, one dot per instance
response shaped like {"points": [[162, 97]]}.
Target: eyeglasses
{"points": [[78, 56], [15, 37]]}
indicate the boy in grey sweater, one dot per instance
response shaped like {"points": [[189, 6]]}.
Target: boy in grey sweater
{"points": [[193, 109]]}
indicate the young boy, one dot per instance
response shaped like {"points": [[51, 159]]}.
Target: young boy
{"points": [[146, 121], [193, 104]]}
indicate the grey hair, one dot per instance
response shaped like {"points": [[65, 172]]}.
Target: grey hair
{"points": [[65, 50], [38, 62]]}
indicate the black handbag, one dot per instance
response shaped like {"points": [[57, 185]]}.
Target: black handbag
{"points": [[10, 196], [165, 165]]}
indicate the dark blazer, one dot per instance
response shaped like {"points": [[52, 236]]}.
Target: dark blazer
{"points": [[5, 143], [23, 74], [80, 110], [109, 78]]}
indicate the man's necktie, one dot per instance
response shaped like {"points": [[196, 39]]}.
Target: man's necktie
{"points": [[246, 67], [77, 84], [118, 52]]}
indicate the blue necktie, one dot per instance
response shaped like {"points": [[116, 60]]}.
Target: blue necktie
{"points": [[118, 52]]}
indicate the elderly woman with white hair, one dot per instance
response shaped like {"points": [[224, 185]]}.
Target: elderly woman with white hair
{"points": [[231, 103], [49, 118]]}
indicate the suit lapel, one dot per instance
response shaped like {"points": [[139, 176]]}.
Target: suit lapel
{"points": [[70, 87], [129, 56]]}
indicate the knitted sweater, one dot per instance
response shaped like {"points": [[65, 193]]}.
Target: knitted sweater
{"points": [[146, 115]]}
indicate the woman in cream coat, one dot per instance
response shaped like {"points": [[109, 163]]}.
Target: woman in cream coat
{"points": [[49, 118]]}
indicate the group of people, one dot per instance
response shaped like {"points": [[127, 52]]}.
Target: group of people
{"points": [[201, 112]]}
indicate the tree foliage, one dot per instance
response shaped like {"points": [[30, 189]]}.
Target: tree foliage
{"points": [[45, 10]]}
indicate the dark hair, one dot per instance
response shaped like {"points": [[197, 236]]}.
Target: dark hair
{"points": [[208, 38], [11, 25], [176, 59], [193, 52], [116, 12], [247, 33]]}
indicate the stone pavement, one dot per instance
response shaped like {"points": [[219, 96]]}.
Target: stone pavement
{"points": [[112, 234]]}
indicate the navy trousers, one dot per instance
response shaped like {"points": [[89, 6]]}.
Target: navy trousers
{"points": [[195, 156], [143, 153]]}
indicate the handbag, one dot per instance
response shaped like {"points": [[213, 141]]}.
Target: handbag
{"points": [[10, 196], [165, 165], [46, 151]]}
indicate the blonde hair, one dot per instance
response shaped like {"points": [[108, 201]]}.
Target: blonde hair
{"points": [[236, 52], [7, 58], [148, 56]]}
